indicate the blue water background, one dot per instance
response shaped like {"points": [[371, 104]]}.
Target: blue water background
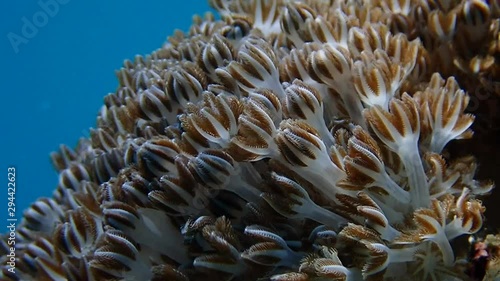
{"points": [[53, 86]]}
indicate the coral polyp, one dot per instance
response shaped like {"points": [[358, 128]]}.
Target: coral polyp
{"points": [[290, 140]]}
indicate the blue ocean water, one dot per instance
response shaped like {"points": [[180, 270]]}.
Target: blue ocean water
{"points": [[58, 62]]}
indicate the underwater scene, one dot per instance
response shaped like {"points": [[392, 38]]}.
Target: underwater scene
{"points": [[280, 140]]}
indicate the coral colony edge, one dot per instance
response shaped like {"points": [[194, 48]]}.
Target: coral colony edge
{"points": [[290, 140]]}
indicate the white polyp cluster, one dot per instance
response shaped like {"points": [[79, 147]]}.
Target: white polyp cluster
{"points": [[288, 140]]}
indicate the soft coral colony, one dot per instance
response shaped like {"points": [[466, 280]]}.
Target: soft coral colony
{"points": [[291, 140]]}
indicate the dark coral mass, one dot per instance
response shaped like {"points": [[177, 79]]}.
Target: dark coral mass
{"points": [[291, 140]]}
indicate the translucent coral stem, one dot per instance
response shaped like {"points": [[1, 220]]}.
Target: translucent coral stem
{"points": [[455, 229], [290, 258], [352, 104], [393, 212], [244, 190], [324, 179], [390, 233], [151, 231], [395, 191], [323, 174], [406, 254], [419, 189], [325, 134], [235, 269], [444, 246], [312, 211], [438, 236], [383, 180]]}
